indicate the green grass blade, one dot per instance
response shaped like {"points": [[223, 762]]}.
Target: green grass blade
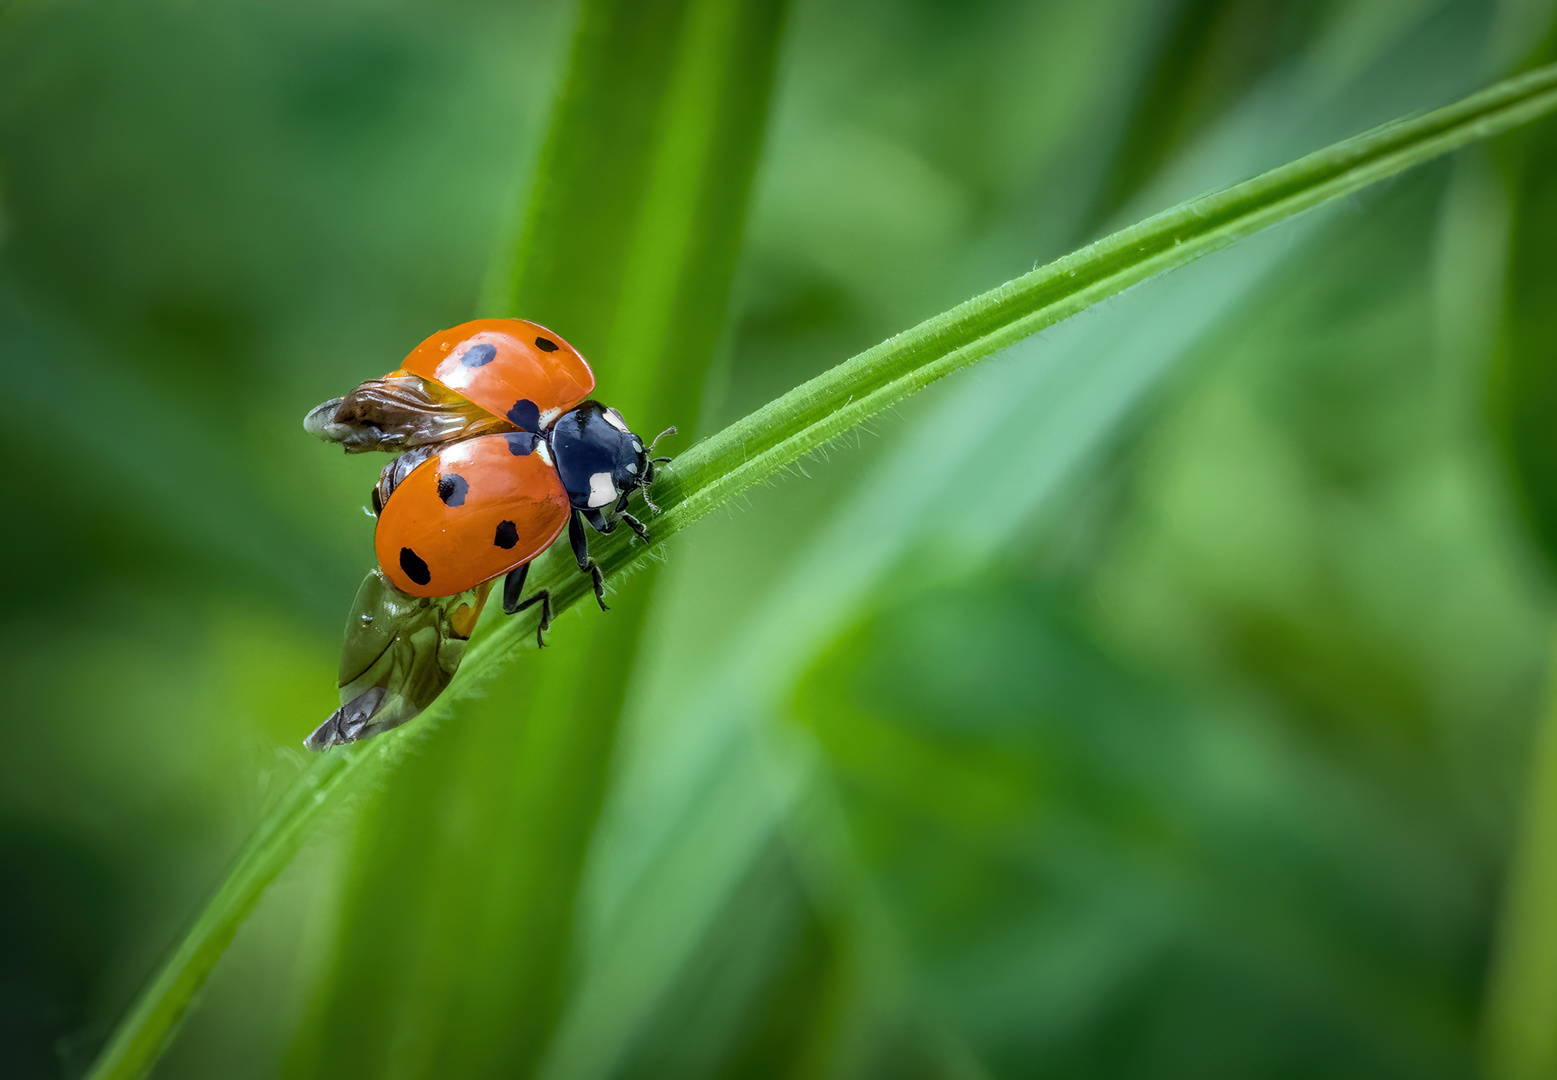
{"points": [[762, 444], [629, 248]]}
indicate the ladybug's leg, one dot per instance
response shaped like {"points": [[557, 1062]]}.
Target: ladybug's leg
{"points": [[636, 526], [580, 545], [513, 589]]}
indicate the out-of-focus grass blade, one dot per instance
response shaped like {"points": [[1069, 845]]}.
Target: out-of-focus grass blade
{"points": [[807, 418], [629, 249]]}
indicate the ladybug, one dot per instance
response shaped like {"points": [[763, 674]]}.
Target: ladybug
{"points": [[503, 450]]}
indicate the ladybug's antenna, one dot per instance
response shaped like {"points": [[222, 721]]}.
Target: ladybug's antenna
{"points": [[668, 431]]}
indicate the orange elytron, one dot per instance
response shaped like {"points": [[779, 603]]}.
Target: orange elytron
{"points": [[473, 511], [512, 368]]}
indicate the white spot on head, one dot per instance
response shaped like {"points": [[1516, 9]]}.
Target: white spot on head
{"points": [[614, 418], [548, 417], [632, 467], [601, 490], [543, 451]]}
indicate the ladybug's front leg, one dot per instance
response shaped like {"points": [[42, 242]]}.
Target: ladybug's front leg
{"points": [[580, 545], [513, 589], [636, 526]]}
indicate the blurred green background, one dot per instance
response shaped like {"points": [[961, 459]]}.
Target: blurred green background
{"points": [[1154, 700]]}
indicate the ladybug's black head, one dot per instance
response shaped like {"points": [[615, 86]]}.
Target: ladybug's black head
{"points": [[601, 462]]}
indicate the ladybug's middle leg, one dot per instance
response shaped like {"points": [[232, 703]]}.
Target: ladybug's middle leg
{"points": [[580, 545], [513, 589]]}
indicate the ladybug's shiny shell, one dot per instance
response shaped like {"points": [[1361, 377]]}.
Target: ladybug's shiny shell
{"points": [[512, 368], [477, 509]]}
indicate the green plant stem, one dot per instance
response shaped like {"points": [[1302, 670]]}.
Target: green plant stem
{"points": [[761, 445]]}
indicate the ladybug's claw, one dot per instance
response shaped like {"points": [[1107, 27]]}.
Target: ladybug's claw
{"points": [[580, 545], [545, 623], [637, 526], [598, 579], [542, 597]]}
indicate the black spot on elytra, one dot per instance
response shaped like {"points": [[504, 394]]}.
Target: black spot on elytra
{"points": [[525, 415], [414, 567], [520, 445], [479, 355], [507, 536], [452, 489], [545, 344]]}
